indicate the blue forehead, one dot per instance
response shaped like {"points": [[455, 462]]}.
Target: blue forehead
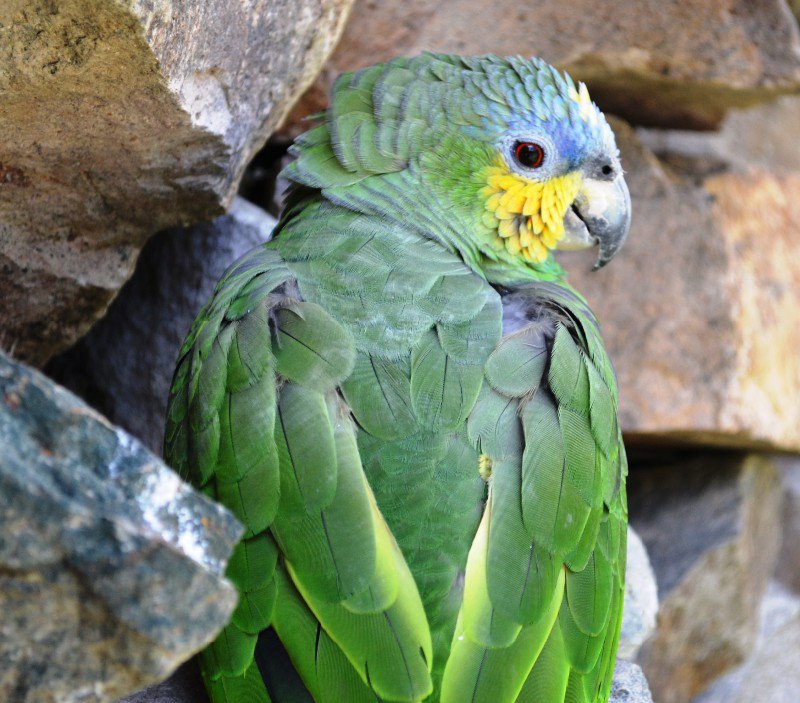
{"points": [[528, 98]]}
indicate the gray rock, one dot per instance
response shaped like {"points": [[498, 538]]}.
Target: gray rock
{"points": [[712, 529], [788, 568], [111, 568], [780, 611], [121, 118], [124, 366], [641, 599], [630, 685]]}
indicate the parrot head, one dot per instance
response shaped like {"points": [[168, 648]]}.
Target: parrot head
{"points": [[541, 171], [511, 153]]}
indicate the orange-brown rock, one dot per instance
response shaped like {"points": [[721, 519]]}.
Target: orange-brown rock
{"points": [[700, 309], [653, 62], [121, 118]]}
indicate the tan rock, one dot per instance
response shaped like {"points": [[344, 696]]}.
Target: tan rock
{"points": [[712, 529], [122, 118], [700, 308], [680, 63]]}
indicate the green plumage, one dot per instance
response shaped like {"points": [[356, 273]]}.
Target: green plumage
{"points": [[339, 388]]}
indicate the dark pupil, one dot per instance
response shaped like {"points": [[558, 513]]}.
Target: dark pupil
{"points": [[529, 154]]}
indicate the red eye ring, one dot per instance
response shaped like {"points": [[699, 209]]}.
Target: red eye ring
{"points": [[529, 154]]}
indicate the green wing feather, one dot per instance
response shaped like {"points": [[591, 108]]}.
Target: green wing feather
{"points": [[548, 557], [255, 420]]}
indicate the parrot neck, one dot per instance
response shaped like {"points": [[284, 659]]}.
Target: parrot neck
{"points": [[450, 186]]}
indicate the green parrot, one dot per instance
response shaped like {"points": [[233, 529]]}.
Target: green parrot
{"points": [[410, 410]]}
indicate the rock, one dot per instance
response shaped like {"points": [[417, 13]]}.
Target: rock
{"points": [[641, 599], [111, 568], [771, 674], [667, 64], [124, 366], [788, 568], [630, 685], [711, 526], [123, 118], [774, 676], [766, 137], [700, 306]]}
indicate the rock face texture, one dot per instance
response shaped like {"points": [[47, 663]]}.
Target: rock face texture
{"points": [[712, 530], [124, 366], [123, 118], [771, 673], [788, 569], [111, 568], [641, 599], [678, 64], [630, 685], [765, 137], [700, 307]]}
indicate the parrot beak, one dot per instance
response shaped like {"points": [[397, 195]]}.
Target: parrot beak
{"points": [[600, 215]]}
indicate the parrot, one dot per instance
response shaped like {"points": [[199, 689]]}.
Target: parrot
{"points": [[410, 410]]}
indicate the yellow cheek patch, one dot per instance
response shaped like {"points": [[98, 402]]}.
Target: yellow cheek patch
{"points": [[528, 217]]}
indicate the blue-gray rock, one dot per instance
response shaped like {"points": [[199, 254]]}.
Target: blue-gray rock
{"points": [[111, 568], [630, 685]]}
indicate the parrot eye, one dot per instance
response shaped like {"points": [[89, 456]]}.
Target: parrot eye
{"points": [[528, 154]]}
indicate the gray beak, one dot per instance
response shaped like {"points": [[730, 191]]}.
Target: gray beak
{"points": [[600, 215]]}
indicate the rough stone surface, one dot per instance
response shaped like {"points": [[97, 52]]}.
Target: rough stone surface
{"points": [[121, 118], [111, 568], [123, 367], [756, 681], [630, 685], [700, 306], [678, 63], [641, 599], [765, 136], [712, 530], [788, 568]]}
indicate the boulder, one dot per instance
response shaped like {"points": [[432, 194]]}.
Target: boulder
{"points": [[121, 118], [711, 526], [123, 366], [758, 680], [700, 306], [678, 63], [111, 568], [641, 599]]}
